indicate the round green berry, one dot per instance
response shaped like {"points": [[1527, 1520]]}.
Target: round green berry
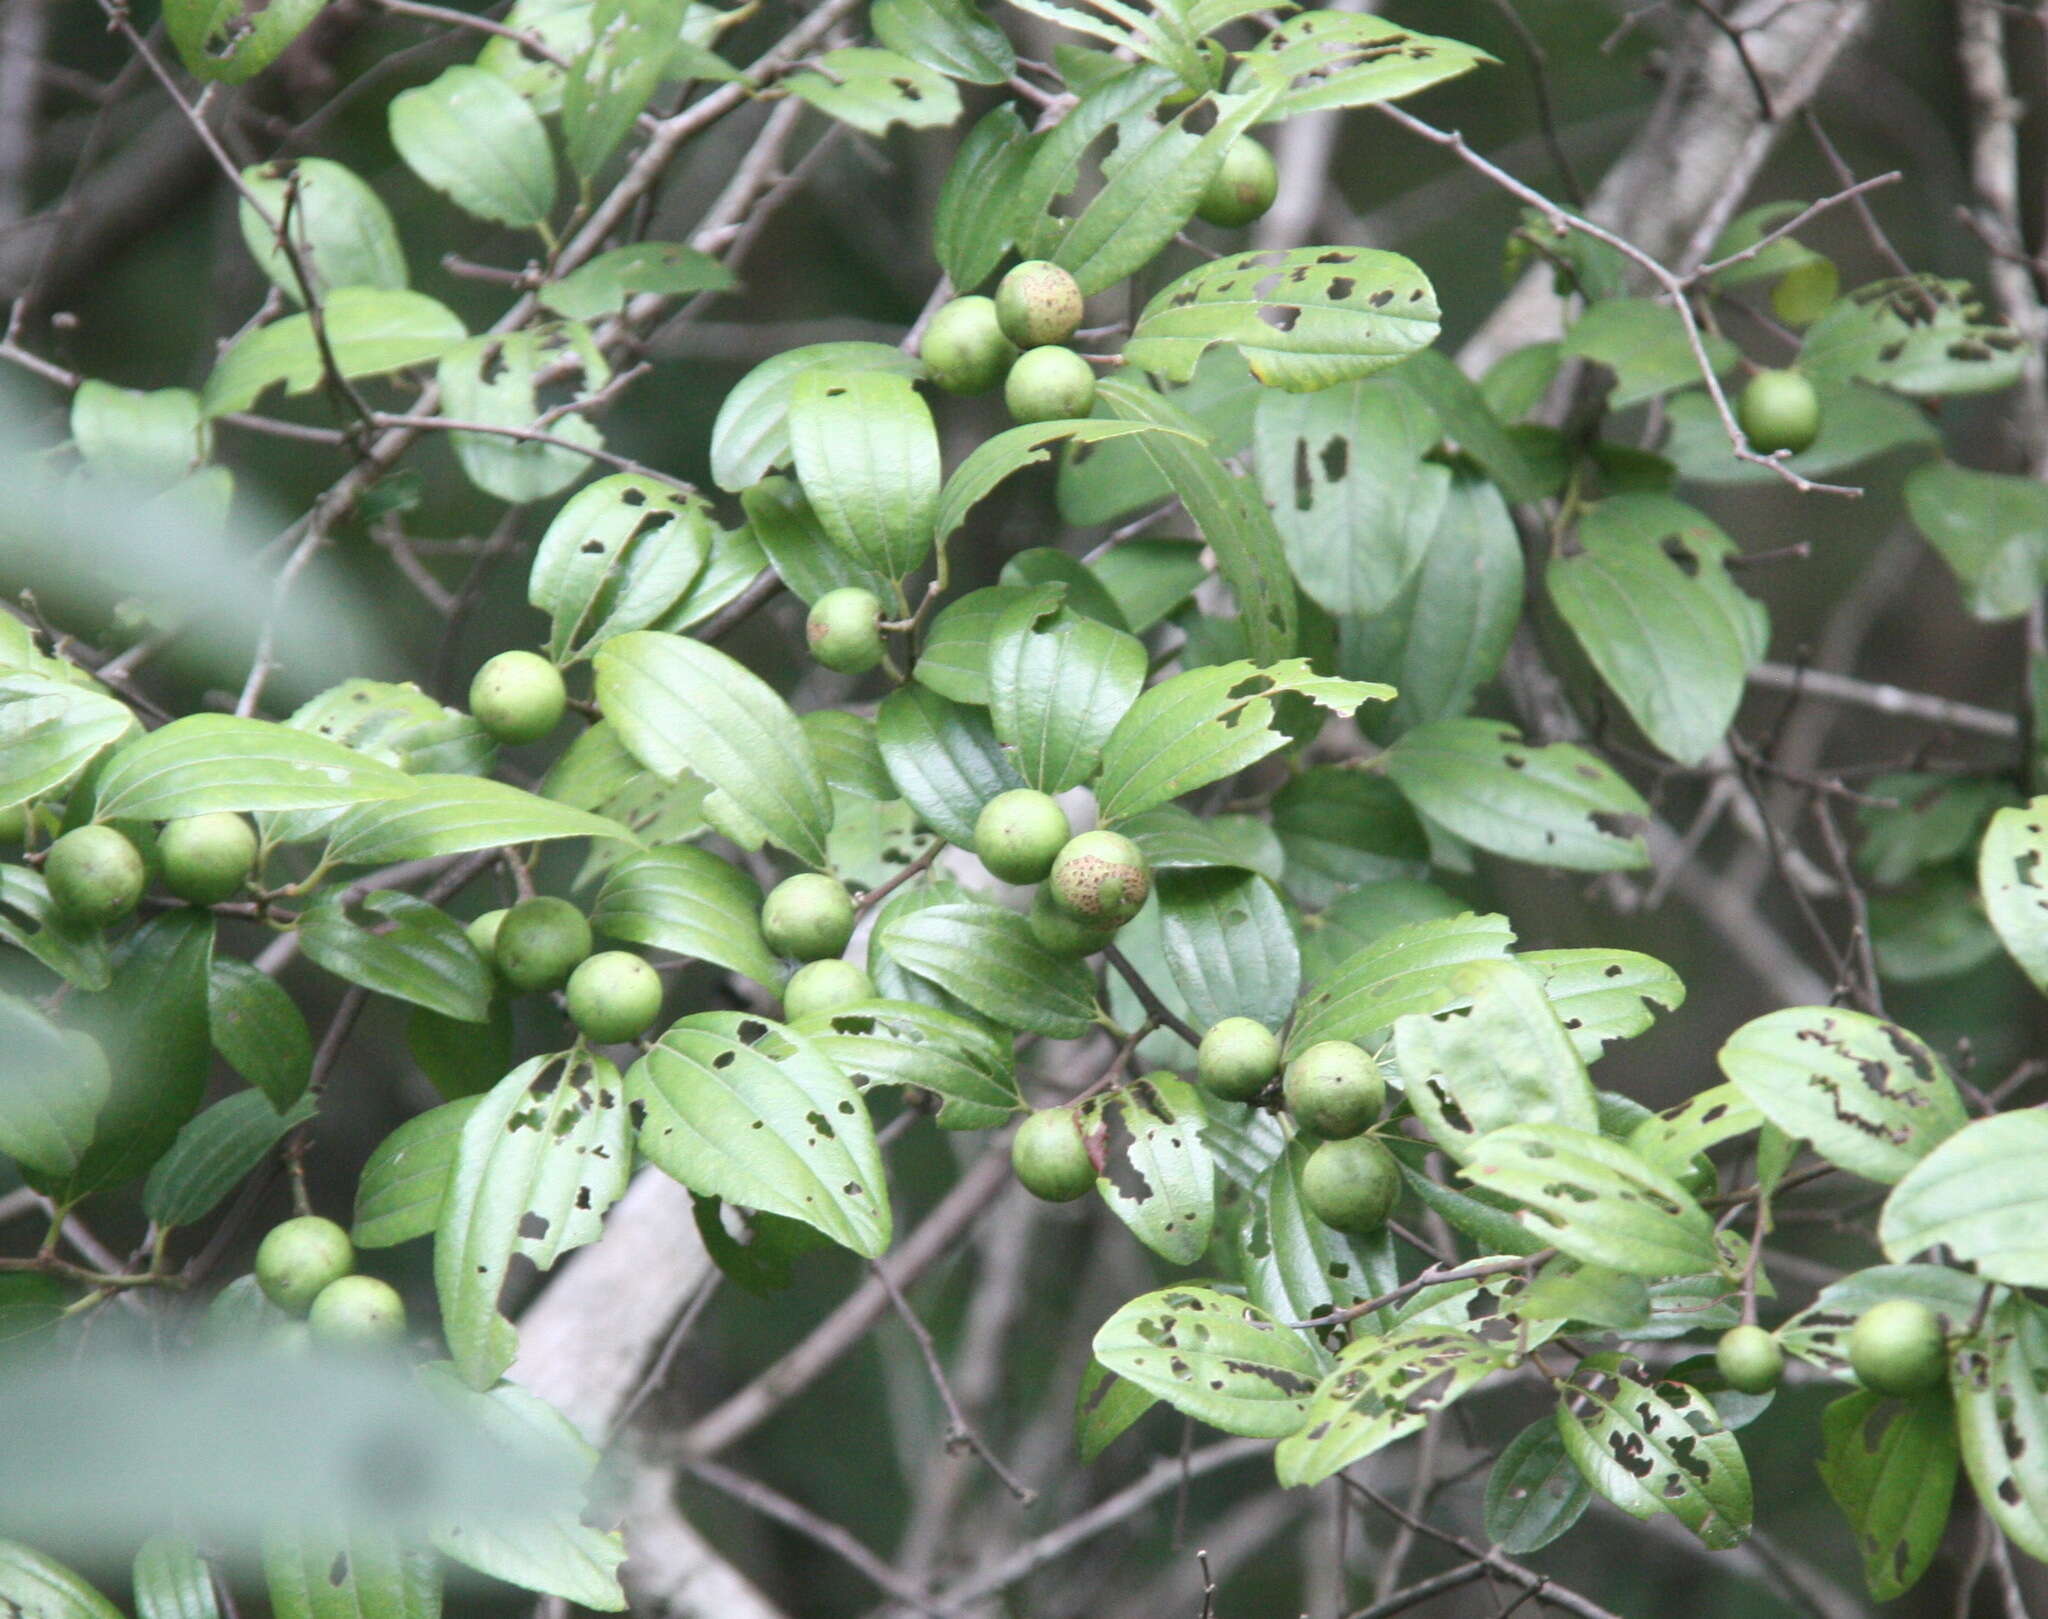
{"points": [[1051, 1157], [1237, 1058], [358, 1312], [207, 858], [1351, 1185], [1749, 1360], [483, 933], [1334, 1089], [1063, 933], [1101, 877], [808, 916], [13, 825], [1242, 189], [614, 996], [1038, 303], [518, 697], [539, 941], [1896, 1348], [298, 1260], [1020, 833], [963, 349], [1779, 410], [825, 986], [1049, 385], [845, 630], [95, 876]]}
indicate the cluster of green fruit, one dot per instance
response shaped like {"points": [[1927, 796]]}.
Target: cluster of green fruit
{"points": [[306, 1267], [97, 874], [544, 943], [1896, 1348]]}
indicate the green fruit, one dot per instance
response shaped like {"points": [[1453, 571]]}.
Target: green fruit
{"points": [[539, 941], [1020, 833], [1334, 1088], [1896, 1348], [1038, 303], [1242, 189], [518, 697], [1750, 1360], [1805, 291], [1050, 1156], [845, 630], [1049, 385], [964, 350], [358, 1312], [299, 1260], [13, 825], [95, 876], [1237, 1058], [483, 933], [1351, 1185], [825, 986], [614, 996], [1063, 933], [1101, 877], [1779, 410], [808, 916], [207, 858]]}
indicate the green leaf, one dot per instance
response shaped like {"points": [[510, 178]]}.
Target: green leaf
{"points": [[775, 1126], [1671, 1140], [1469, 419], [398, 724], [153, 439], [1104, 1409], [751, 435], [324, 1573], [1293, 1265], [50, 730], [454, 815], [1916, 819], [950, 35], [989, 958], [872, 89], [1204, 725], [407, 949], [1148, 580], [1384, 1387], [1408, 969], [954, 658], [1237, 525], [1979, 1195], [53, 1083], [971, 225], [1535, 1492], [210, 762], [339, 228], [1229, 944], [1932, 928], [1165, 37], [615, 558], [965, 1065], [1013, 449], [848, 753], [944, 758], [603, 285], [1156, 1173], [1594, 1199], [1820, 1332], [542, 1156], [1662, 1448], [1604, 995], [1107, 483], [2010, 878], [1648, 595], [1991, 528], [172, 1581], [1873, 1098], [1501, 1058], [796, 545], [78, 955], [688, 901], [234, 40], [405, 1181], [471, 136], [1643, 343], [1891, 1467], [1998, 1378], [1342, 827], [38, 1588], [1556, 806], [214, 1153], [1214, 1358], [1305, 318], [867, 456], [1059, 682], [680, 705], [370, 331], [1332, 60], [497, 381], [610, 84], [1921, 335]]}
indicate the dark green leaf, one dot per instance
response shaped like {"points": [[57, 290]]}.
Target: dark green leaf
{"points": [[212, 1155], [944, 758], [405, 948], [987, 957], [1230, 945], [211, 762], [1891, 1467], [1215, 1358], [1534, 1493], [950, 35], [404, 1182], [867, 456], [688, 901], [1059, 682], [259, 1029]]}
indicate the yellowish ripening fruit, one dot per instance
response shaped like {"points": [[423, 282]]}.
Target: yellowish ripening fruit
{"points": [[1101, 877], [1038, 303]]}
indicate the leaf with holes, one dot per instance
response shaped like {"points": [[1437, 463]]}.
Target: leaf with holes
{"points": [[867, 456], [1409, 969], [364, 1573], [234, 40], [1214, 1358], [688, 901], [1604, 995], [1673, 1139], [1657, 1449], [1385, 1387], [1920, 335], [615, 558], [2011, 878], [1295, 1266], [1891, 1467], [609, 85], [475, 139], [541, 1157], [1534, 1493], [405, 1180], [369, 331], [950, 35], [1981, 1197], [1105, 1406], [1644, 344], [965, 1065], [1156, 1173], [1058, 684], [606, 284], [750, 438], [872, 89], [1327, 59], [1820, 1333], [987, 957], [1871, 1097], [944, 759], [397, 724], [496, 382], [1999, 1377]]}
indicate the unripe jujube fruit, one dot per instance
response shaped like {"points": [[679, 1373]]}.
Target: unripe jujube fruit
{"points": [[1896, 1348], [1805, 291], [539, 940], [1749, 1360], [825, 986], [95, 876], [614, 996], [1049, 385], [207, 858], [1335, 1089], [1038, 303], [518, 697], [1351, 1185], [1237, 1058], [358, 1312], [808, 916], [844, 630], [1779, 410], [299, 1260], [13, 825], [1101, 877], [1019, 834], [483, 933], [1062, 932], [964, 349], [1050, 1156], [1242, 189]]}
